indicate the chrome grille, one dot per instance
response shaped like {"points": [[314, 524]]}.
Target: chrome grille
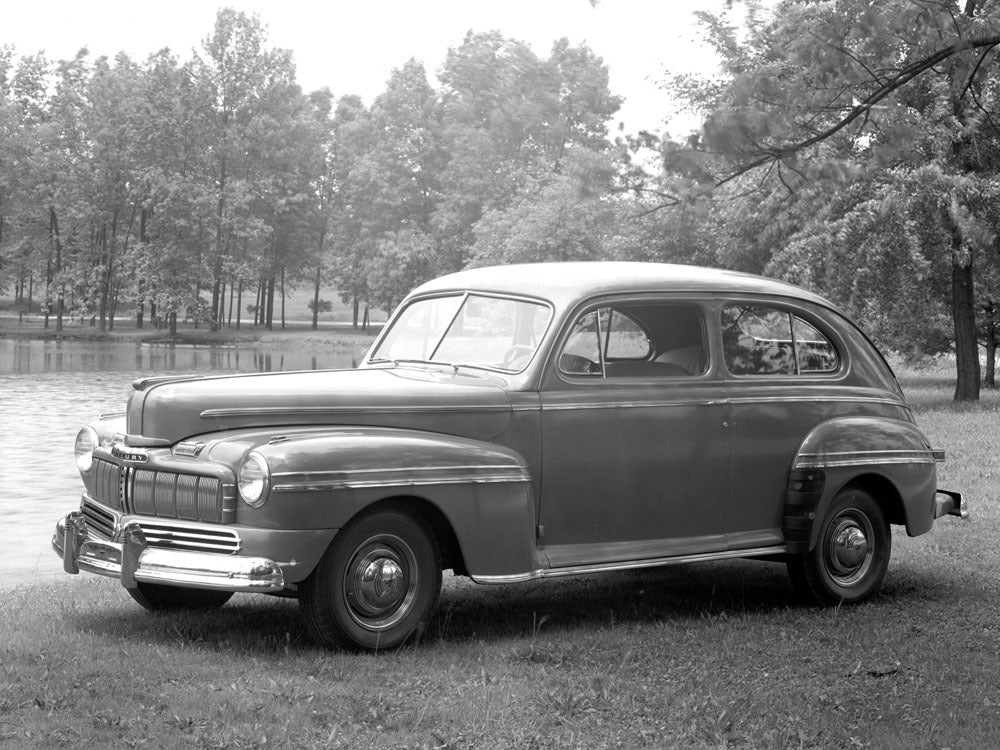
{"points": [[99, 519], [200, 538], [164, 494], [107, 483], [102, 522]]}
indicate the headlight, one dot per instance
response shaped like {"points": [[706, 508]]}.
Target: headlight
{"points": [[253, 480], [86, 441]]}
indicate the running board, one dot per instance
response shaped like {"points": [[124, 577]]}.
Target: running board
{"points": [[579, 570]]}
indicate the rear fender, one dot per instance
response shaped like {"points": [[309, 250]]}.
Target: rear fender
{"points": [[890, 458], [482, 490]]}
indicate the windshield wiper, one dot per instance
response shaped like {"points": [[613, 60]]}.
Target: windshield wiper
{"points": [[407, 361]]}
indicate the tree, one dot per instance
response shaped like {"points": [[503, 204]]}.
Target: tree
{"points": [[526, 139], [242, 76], [821, 89], [353, 135]]}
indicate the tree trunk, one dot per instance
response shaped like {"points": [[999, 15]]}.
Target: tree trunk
{"points": [[60, 290], [219, 242], [990, 379], [315, 323], [239, 305], [964, 313], [48, 289], [269, 319], [219, 315], [282, 298], [102, 305]]}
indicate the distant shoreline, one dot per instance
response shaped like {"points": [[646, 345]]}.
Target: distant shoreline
{"points": [[296, 334]]}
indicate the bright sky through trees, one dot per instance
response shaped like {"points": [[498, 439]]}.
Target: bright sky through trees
{"points": [[352, 46]]}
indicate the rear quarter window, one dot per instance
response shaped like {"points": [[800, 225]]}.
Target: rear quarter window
{"points": [[763, 340]]}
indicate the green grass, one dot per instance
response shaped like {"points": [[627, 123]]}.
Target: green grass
{"points": [[719, 655]]}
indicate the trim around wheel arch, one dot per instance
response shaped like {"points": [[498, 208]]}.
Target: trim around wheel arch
{"points": [[890, 459]]}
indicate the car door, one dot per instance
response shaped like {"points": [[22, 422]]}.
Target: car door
{"points": [[635, 445]]}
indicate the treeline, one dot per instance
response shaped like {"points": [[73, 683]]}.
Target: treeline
{"points": [[850, 147], [205, 188]]}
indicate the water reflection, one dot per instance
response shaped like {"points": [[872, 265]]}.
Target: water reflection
{"points": [[49, 389], [17, 356]]}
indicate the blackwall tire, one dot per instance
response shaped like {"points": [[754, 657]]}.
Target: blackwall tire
{"points": [[376, 585], [851, 556]]}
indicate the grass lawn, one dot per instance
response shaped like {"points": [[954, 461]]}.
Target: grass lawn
{"points": [[718, 655]]}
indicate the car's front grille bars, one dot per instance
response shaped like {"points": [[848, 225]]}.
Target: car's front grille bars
{"points": [[181, 535], [164, 494]]}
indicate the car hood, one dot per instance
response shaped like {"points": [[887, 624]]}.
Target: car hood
{"points": [[165, 410]]}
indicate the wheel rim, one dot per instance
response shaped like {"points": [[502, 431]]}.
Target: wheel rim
{"points": [[850, 548], [380, 582]]}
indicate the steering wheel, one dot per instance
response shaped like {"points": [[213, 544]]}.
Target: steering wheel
{"points": [[518, 351]]}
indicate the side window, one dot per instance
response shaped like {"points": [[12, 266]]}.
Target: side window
{"points": [[813, 350], [760, 340], [636, 340], [601, 336]]}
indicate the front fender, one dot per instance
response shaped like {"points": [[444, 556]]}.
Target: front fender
{"points": [[483, 490], [890, 457]]}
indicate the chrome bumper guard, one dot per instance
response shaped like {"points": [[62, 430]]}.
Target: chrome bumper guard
{"points": [[947, 503], [132, 561]]}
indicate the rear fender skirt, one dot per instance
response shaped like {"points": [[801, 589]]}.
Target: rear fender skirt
{"points": [[879, 452]]}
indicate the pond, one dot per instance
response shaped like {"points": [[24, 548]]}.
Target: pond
{"points": [[49, 389]]}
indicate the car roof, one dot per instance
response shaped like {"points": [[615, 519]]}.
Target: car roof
{"points": [[565, 283]]}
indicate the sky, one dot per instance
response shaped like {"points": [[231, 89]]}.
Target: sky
{"points": [[352, 46]]}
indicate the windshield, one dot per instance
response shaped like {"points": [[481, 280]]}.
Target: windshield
{"points": [[477, 330]]}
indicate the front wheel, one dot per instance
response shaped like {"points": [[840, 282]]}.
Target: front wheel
{"points": [[157, 597], [851, 555], [377, 583]]}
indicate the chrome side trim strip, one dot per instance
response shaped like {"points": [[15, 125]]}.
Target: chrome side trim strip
{"points": [[645, 404], [526, 407], [321, 481], [857, 462], [865, 458], [819, 399], [576, 570], [305, 411], [738, 401]]}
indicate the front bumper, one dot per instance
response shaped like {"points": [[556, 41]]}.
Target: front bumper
{"points": [[132, 561], [947, 503]]}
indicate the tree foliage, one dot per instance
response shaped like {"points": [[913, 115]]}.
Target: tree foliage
{"points": [[204, 188], [856, 147]]}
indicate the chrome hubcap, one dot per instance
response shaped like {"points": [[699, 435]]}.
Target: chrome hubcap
{"points": [[849, 552], [380, 583]]}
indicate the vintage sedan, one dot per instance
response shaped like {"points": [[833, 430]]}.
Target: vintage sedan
{"points": [[509, 424]]}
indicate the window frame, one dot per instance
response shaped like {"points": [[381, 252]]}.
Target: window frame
{"points": [[792, 312], [702, 307]]}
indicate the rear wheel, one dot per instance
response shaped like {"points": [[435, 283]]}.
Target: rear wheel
{"points": [[377, 583], [157, 597], [851, 555]]}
